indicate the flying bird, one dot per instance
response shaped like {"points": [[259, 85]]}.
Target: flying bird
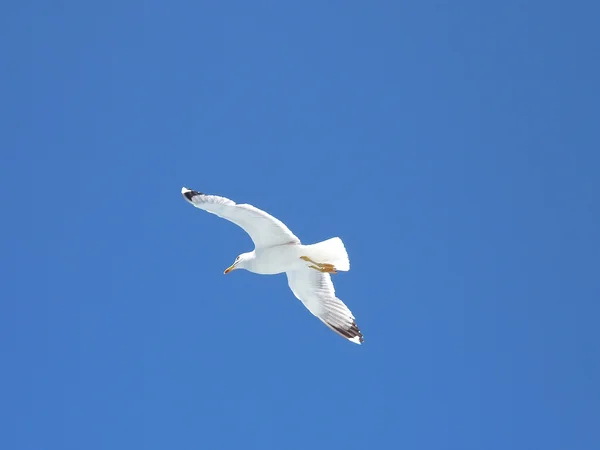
{"points": [[278, 250]]}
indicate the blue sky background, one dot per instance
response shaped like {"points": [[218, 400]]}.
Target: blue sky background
{"points": [[453, 146]]}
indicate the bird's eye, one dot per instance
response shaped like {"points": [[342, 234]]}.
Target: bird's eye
{"points": [[237, 258]]}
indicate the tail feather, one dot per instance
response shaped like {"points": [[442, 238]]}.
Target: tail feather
{"points": [[331, 251]]}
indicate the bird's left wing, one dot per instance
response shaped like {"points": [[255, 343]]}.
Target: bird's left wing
{"points": [[315, 290], [264, 229]]}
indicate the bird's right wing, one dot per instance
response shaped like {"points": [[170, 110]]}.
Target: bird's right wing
{"points": [[315, 290], [264, 229]]}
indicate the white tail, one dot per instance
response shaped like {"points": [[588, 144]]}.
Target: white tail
{"points": [[331, 251]]}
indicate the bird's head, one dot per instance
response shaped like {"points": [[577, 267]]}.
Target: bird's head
{"points": [[240, 262]]}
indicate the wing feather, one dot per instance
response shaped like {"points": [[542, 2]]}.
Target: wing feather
{"points": [[315, 290], [264, 229]]}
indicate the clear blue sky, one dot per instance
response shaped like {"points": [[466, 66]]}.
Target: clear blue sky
{"points": [[453, 146]]}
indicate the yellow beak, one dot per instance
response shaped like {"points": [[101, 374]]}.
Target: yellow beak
{"points": [[229, 269]]}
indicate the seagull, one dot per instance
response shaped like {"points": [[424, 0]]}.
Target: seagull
{"points": [[277, 250]]}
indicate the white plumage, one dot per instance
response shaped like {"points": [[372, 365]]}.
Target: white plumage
{"points": [[278, 250]]}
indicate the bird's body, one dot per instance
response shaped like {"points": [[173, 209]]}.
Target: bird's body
{"points": [[274, 260], [288, 257], [277, 250]]}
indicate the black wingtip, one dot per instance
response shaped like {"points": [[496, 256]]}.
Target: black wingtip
{"points": [[350, 333], [188, 193]]}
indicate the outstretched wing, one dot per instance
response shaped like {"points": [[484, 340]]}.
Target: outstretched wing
{"points": [[264, 229], [315, 290]]}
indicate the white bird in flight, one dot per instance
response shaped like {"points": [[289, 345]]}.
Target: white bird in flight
{"points": [[278, 250]]}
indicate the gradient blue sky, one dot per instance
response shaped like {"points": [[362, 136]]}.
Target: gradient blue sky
{"points": [[453, 146]]}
